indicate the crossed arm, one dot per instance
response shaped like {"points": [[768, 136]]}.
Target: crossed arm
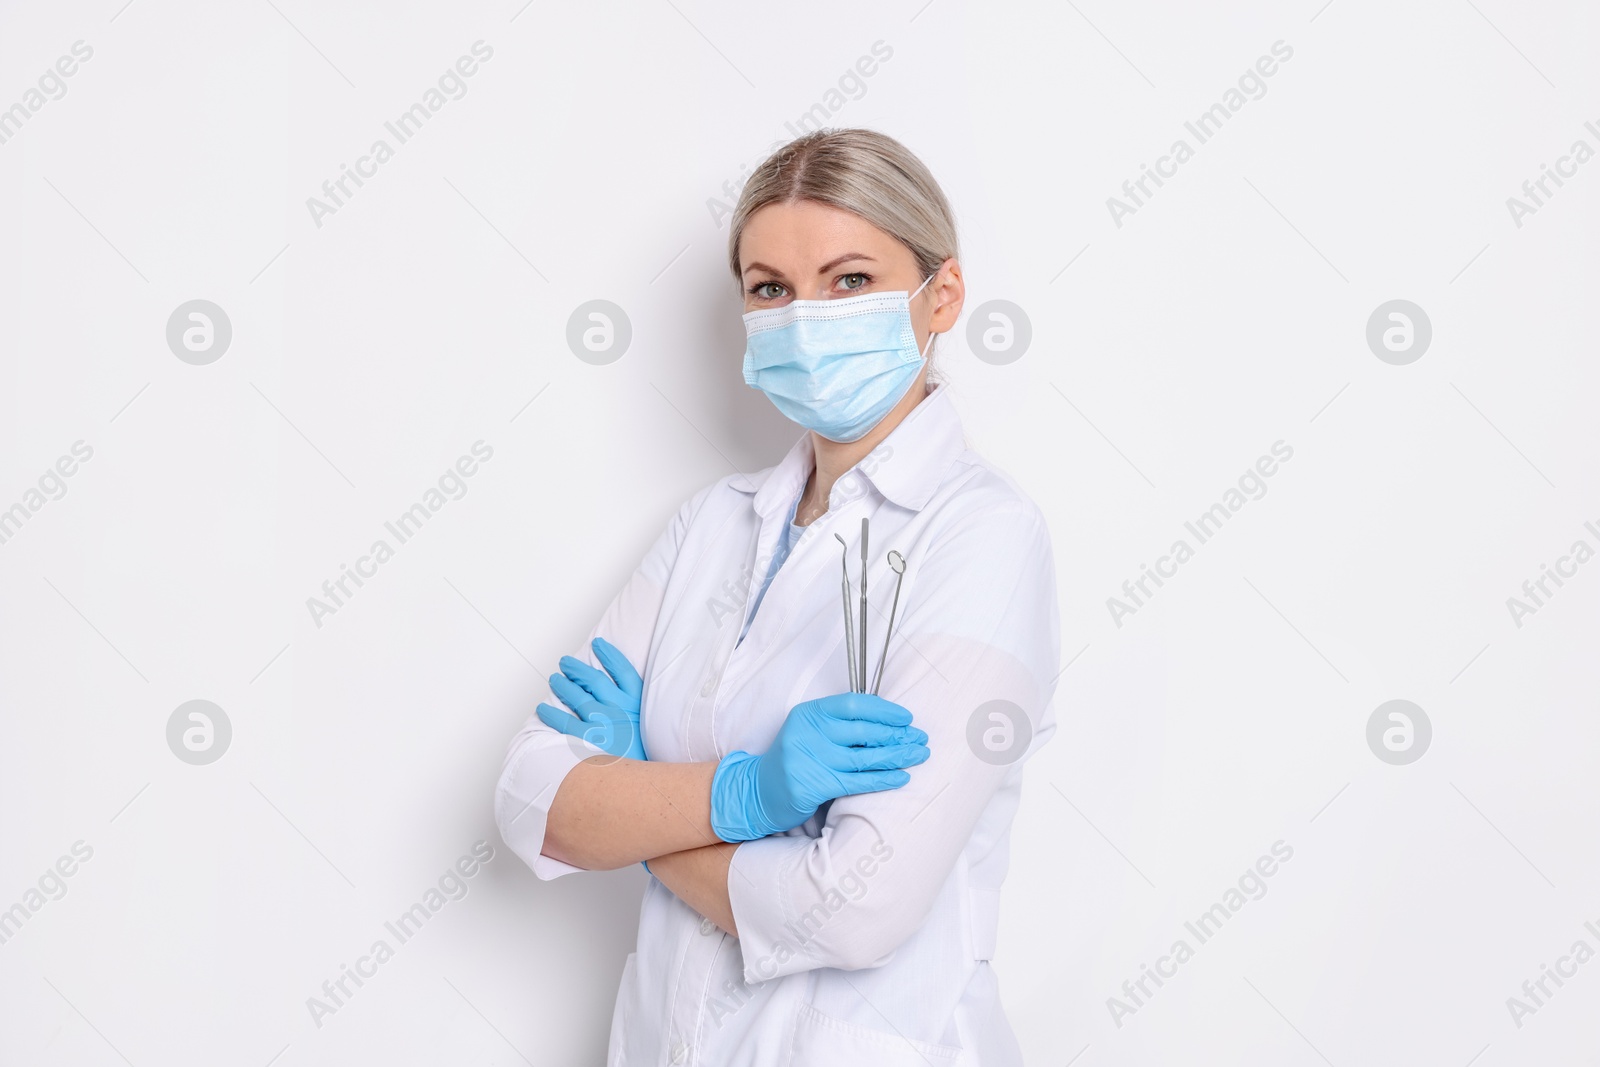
{"points": [[609, 813]]}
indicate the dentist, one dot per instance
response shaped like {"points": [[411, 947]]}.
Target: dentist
{"points": [[826, 865]]}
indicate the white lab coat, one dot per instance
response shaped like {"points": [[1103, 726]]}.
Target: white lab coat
{"points": [[865, 934]]}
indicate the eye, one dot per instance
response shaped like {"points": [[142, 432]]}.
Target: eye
{"points": [[760, 290], [856, 281]]}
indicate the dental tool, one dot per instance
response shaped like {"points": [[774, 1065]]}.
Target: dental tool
{"points": [[863, 635], [897, 563], [849, 631], [855, 644]]}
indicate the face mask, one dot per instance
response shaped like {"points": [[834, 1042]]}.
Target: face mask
{"points": [[835, 366]]}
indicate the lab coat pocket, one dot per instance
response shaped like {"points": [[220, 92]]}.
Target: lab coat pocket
{"points": [[823, 1041], [616, 1054]]}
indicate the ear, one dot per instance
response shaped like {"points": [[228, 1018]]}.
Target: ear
{"points": [[949, 294]]}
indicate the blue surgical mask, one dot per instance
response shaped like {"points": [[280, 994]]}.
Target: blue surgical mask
{"points": [[835, 366]]}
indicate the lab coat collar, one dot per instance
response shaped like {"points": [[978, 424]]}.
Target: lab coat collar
{"points": [[911, 463]]}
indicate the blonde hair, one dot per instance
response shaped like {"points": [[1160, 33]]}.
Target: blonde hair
{"points": [[866, 173]]}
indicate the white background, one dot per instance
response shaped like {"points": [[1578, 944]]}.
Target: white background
{"points": [[369, 353]]}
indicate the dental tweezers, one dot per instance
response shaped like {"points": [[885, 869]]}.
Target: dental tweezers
{"points": [[849, 634]]}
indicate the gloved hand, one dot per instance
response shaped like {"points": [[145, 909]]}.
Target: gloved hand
{"points": [[605, 711], [832, 747]]}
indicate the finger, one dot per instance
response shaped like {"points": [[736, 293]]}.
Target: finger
{"points": [[595, 682], [559, 720], [872, 782], [619, 667], [571, 694], [893, 758], [842, 759], [853, 732], [865, 707]]}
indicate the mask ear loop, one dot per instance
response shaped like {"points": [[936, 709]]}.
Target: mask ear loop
{"points": [[929, 346]]}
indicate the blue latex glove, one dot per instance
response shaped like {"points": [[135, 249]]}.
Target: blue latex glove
{"points": [[605, 710], [835, 746]]}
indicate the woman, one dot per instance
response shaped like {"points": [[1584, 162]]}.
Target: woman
{"points": [[826, 874]]}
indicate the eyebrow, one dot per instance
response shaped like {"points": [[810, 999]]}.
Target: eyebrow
{"points": [[825, 268]]}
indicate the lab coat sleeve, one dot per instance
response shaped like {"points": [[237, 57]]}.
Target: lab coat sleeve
{"points": [[980, 625], [539, 757]]}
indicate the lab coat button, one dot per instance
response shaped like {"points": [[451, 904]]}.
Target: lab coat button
{"points": [[680, 1052], [707, 927]]}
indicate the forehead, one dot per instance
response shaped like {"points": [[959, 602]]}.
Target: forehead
{"points": [[804, 232]]}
